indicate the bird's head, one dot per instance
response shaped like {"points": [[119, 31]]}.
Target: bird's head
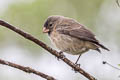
{"points": [[50, 23]]}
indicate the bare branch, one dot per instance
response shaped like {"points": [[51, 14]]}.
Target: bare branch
{"points": [[104, 62], [43, 45], [26, 69]]}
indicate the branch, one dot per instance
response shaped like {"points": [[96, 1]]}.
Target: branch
{"points": [[26, 69], [117, 1], [43, 45], [104, 62]]}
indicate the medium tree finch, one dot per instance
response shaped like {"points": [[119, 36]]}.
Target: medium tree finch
{"points": [[70, 36]]}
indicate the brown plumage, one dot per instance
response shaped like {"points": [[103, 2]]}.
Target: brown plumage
{"points": [[70, 36]]}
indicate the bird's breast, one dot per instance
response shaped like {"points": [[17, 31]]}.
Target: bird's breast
{"points": [[67, 43]]}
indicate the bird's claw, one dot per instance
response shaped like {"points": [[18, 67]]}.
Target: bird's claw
{"points": [[62, 56], [77, 65]]}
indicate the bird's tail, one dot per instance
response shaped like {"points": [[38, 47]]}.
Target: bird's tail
{"points": [[103, 47], [97, 49]]}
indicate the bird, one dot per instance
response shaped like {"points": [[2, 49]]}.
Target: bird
{"points": [[69, 36]]}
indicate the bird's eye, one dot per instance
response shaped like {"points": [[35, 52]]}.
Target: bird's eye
{"points": [[50, 24]]}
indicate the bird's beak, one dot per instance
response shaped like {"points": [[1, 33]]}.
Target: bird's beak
{"points": [[45, 30]]}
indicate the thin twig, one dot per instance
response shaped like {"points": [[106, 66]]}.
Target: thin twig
{"points": [[26, 69], [117, 1], [104, 62], [43, 45]]}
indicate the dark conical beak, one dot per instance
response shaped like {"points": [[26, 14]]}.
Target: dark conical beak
{"points": [[45, 30]]}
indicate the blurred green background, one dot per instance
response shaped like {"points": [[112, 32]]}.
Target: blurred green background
{"points": [[100, 16]]}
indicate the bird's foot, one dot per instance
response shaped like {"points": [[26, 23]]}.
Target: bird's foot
{"points": [[77, 65], [62, 56]]}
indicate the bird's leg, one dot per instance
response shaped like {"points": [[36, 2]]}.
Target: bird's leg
{"points": [[76, 63], [78, 60]]}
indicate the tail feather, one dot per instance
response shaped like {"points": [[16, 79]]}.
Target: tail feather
{"points": [[97, 49], [103, 47]]}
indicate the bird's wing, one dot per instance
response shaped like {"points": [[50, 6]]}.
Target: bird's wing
{"points": [[78, 31], [74, 29]]}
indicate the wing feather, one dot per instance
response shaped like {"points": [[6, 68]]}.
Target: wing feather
{"points": [[80, 32]]}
